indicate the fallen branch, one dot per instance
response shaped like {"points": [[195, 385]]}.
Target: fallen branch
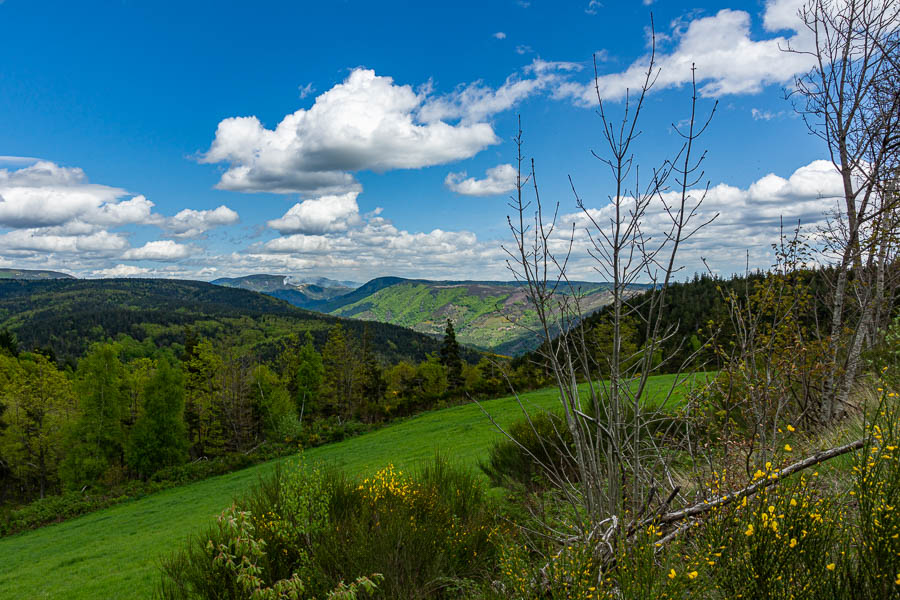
{"points": [[770, 480]]}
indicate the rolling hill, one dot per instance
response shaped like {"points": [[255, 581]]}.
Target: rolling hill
{"points": [[66, 315], [489, 315]]}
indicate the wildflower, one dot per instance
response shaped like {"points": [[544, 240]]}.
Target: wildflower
{"points": [[791, 428], [793, 542], [749, 531], [793, 502], [692, 575], [672, 574], [830, 566], [787, 448]]}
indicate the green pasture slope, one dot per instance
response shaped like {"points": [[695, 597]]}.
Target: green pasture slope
{"points": [[113, 553]]}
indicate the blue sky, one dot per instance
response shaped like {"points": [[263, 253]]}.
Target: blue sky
{"points": [[359, 139]]}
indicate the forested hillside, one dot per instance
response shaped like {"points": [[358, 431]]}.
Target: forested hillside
{"points": [[66, 316], [490, 315]]}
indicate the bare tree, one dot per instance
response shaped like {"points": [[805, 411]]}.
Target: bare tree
{"points": [[616, 470], [850, 99]]}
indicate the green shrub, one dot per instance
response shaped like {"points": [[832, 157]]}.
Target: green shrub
{"points": [[544, 439], [428, 536], [535, 441]]}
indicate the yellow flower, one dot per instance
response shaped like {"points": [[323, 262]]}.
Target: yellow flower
{"points": [[793, 502], [791, 428], [692, 575], [793, 542], [787, 448], [749, 531], [830, 566], [672, 574]]}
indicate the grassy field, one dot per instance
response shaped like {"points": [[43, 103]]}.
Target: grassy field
{"points": [[114, 553]]}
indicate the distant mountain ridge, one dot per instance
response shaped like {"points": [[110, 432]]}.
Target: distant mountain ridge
{"points": [[300, 292], [490, 315], [31, 274]]}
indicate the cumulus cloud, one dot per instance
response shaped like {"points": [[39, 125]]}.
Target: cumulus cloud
{"points": [[749, 219], [498, 180], [500, 35], [35, 240], [728, 58], [45, 195], [326, 214], [121, 270], [54, 216], [364, 123], [190, 223], [160, 250], [377, 246]]}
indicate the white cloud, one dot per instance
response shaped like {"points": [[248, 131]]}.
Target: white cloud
{"points": [[498, 180], [763, 115], [476, 101], [36, 240], [750, 219], [45, 195], [121, 270], [55, 217], [524, 49], [365, 123], [500, 35], [190, 223], [326, 214], [728, 59], [377, 246], [306, 90], [161, 250], [782, 14], [592, 7]]}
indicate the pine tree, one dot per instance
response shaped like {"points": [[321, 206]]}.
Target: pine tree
{"points": [[450, 359], [158, 438], [9, 343]]}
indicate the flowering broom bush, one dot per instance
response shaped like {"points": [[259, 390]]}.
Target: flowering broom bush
{"points": [[306, 531]]}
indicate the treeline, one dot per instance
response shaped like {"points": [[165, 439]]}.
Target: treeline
{"points": [[699, 314], [132, 411]]}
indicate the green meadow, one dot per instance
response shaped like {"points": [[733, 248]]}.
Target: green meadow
{"points": [[114, 553]]}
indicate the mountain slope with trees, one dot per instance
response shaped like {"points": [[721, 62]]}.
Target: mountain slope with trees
{"points": [[66, 316]]}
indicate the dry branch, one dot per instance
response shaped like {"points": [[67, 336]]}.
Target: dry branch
{"points": [[770, 480]]}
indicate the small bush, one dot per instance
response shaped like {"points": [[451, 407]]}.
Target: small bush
{"points": [[307, 528], [543, 440]]}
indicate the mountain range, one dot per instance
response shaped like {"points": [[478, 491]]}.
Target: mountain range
{"points": [[489, 315]]}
